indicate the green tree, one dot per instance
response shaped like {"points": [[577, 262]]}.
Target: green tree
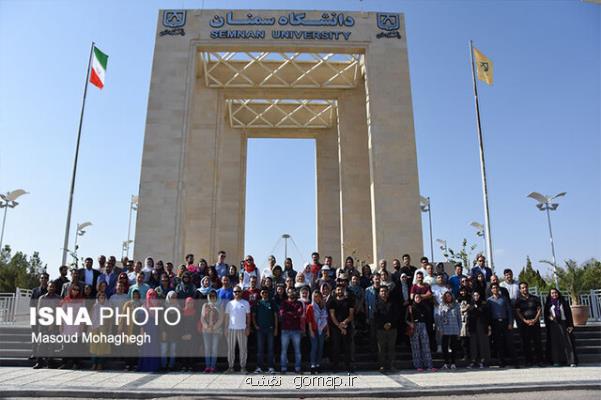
{"points": [[592, 274], [19, 270], [463, 255], [533, 277]]}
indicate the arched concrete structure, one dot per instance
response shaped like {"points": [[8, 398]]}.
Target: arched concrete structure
{"points": [[220, 77]]}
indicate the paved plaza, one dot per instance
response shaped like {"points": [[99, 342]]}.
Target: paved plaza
{"points": [[20, 381]]}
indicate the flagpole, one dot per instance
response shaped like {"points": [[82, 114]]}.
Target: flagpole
{"points": [[70, 208], [482, 166]]}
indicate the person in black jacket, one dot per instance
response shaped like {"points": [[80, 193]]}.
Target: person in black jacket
{"points": [[560, 328], [89, 275], [386, 316], [478, 327]]}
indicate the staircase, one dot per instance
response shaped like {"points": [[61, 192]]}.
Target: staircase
{"points": [[15, 350]]}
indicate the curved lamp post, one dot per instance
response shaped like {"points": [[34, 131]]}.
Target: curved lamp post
{"points": [[7, 201], [545, 204]]}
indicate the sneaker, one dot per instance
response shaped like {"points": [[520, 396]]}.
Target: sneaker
{"points": [[573, 365], [243, 371], [283, 372], [445, 366], [258, 371], [298, 371], [229, 371], [471, 365], [207, 370], [482, 366], [433, 370], [453, 366], [38, 366], [271, 371], [420, 370]]}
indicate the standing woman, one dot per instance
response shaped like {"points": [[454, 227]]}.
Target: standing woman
{"points": [[150, 360], [464, 300], [317, 318], [101, 349], [189, 343], [479, 330], [211, 320], [560, 328], [449, 323], [202, 293], [72, 351], [419, 318]]}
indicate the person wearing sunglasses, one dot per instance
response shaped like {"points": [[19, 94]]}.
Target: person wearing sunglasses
{"points": [[237, 329]]}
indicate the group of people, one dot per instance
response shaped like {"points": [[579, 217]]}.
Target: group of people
{"points": [[320, 311]]}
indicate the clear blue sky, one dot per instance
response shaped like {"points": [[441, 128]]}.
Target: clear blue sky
{"points": [[541, 122]]}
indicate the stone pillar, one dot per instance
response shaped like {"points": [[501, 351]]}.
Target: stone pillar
{"points": [[199, 175], [355, 199], [231, 193], [396, 226], [160, 179], [328, 193]]}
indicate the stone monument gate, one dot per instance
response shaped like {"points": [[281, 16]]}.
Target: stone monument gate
{"points": [[220, 77]]}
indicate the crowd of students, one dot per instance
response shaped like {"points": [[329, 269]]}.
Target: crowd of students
{"points": [[320, 311]]}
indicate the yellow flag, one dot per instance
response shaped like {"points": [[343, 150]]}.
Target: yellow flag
{"points": [[484, 67]]}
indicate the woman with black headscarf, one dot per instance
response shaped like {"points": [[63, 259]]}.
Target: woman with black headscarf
{"points": [[560, 327]]}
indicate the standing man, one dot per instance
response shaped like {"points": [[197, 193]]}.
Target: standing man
{"points": [[455, 280], [481, 267], [502, 325], [265, 321], [63, 270], [387, 321], [341, 309], [237, 328], [221, 267], [90, 275], [41, 290], [315, 264], [110, 277], [268, 271], [423, 262], [528, 310], [75, 280], [371, 296], [42, 352], [511, 285], [292, 316], [328, 262], [101, 263], [407, 268]]}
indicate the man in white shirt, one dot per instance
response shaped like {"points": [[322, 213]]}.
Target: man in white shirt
{"points": [[512, 286], [237, 328], [267, 271], [422, 268]]}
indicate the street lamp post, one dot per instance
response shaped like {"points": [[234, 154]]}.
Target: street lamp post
{"points": [[79, 232], [7, 201], [545, 204], [125, 248], [133, 206], [285, 236], [425, 206]]}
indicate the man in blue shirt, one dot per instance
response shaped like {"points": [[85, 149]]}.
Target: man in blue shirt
{"points": [[226, 292], [221, 267], [455, 280], [502, 324]]}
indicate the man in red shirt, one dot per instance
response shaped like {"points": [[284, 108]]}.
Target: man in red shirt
{"points": [[252, 294], [292, 318]]}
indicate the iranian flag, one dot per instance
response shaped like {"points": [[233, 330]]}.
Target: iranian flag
{"points": [[99, 60]]}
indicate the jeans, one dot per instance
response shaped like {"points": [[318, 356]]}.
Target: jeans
{"points": [[317, 342], [295, 336], [211, 344], [167, 351], [264, 335]]}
